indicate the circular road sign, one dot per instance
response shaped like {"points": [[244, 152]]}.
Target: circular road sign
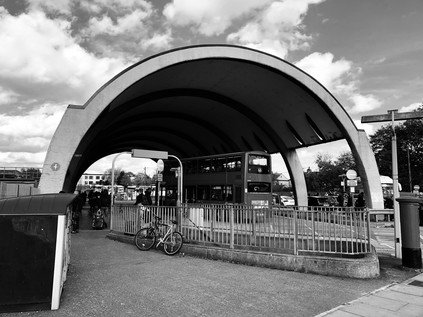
{"points": [[160, 166], [351, 174]]}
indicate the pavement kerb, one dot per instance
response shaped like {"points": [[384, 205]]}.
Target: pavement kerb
{"points": [[362, 268], [329, 312]]}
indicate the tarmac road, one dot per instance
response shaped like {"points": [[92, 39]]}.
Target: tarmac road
{"points": [[111, 278]]}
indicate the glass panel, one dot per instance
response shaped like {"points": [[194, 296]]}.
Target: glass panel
{"points": [[204, 165], [233, 163], [190, 194], [190, 167], [217, 193], [229, 193], [203, 192]]}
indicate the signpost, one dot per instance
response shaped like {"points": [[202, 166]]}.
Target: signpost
{"points": [[393, 116], [160, 155]]}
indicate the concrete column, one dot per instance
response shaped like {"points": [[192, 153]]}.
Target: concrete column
{"points": [[297, 177], [367, 170]]}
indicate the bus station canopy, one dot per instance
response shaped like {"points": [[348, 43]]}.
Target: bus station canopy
{"points": [[204, 100], [212, 105]]}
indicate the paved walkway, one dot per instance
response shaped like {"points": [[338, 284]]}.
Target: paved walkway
{"points": [[401, 300], [110, 278]]}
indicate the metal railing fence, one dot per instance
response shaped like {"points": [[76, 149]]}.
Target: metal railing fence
{"points": [[292, 230]]}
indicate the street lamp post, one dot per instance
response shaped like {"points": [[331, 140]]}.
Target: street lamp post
{"points": [[393, 116], [113, 178]]}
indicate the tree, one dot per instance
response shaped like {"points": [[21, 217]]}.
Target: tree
{"points": [[142, 179], [409, 145], [123, 179], [326, 179]]}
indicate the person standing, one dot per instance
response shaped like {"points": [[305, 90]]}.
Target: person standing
{"points": [[76, 211], [104, 201], [140, 197], [148, 196]]}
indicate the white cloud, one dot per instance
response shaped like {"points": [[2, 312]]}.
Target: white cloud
{"points": [[30, 132], [7, 96], [124, 29], [126, 163], [22, 159], [157, 41], [364, 103], [124, 24], [57, 6], [411, 107], [40, 59], [340, 77], [209, 17], [277, 29], [323, 68]]}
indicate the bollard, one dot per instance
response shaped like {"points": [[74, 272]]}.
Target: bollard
{"points": [[410, 233]]}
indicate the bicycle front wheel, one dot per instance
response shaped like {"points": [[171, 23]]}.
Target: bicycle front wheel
{"points": [[145, 239], [173, 243]]}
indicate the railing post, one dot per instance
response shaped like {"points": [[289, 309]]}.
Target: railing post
{"points": [[369, 246], [295, 218], [231, 227], [112, 214]]}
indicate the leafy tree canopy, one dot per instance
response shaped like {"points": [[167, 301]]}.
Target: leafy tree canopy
{"points": [[409, 150]]}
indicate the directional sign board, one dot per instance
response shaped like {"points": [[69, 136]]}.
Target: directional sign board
{"points": [[149, 154]]}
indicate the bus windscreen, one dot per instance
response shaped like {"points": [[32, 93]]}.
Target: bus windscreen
{"points": [[258, 164]]}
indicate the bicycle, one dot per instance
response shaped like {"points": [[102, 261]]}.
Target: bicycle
{"points": [[146, 238]]}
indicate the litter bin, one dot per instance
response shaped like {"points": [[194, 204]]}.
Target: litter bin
{"points": [[35, 251], [410, 233]]}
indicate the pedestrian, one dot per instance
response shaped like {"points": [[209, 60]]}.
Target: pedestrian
{"points": [[76, 211], [148, 196], [104, 201], [360, 202], [140, 197]]}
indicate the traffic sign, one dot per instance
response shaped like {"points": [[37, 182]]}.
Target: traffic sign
{"points": [[351, 174], [160, 166], [160, 177], [351, 182]]}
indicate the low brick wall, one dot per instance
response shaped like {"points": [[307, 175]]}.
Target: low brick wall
{"points": [[361, 268]]}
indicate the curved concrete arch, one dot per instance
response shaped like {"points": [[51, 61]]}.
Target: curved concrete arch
{"points": [[256, 100]]}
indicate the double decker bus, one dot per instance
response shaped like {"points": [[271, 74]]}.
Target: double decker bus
{"points": [[239, 178]]}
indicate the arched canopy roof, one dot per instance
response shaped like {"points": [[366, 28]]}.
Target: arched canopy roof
{"points": [[205, 100], [212, 105]]}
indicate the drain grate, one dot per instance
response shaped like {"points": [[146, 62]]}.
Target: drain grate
{"points": [[416, 283]]}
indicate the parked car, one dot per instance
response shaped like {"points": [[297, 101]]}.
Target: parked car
{"points": [[287, 201], [318, 201]]}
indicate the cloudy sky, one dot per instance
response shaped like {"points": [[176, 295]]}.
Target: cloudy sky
{"points": [[368, 53]]}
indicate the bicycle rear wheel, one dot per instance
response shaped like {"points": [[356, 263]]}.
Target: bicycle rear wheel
{"points": [[173, 243], [145, 239]]}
